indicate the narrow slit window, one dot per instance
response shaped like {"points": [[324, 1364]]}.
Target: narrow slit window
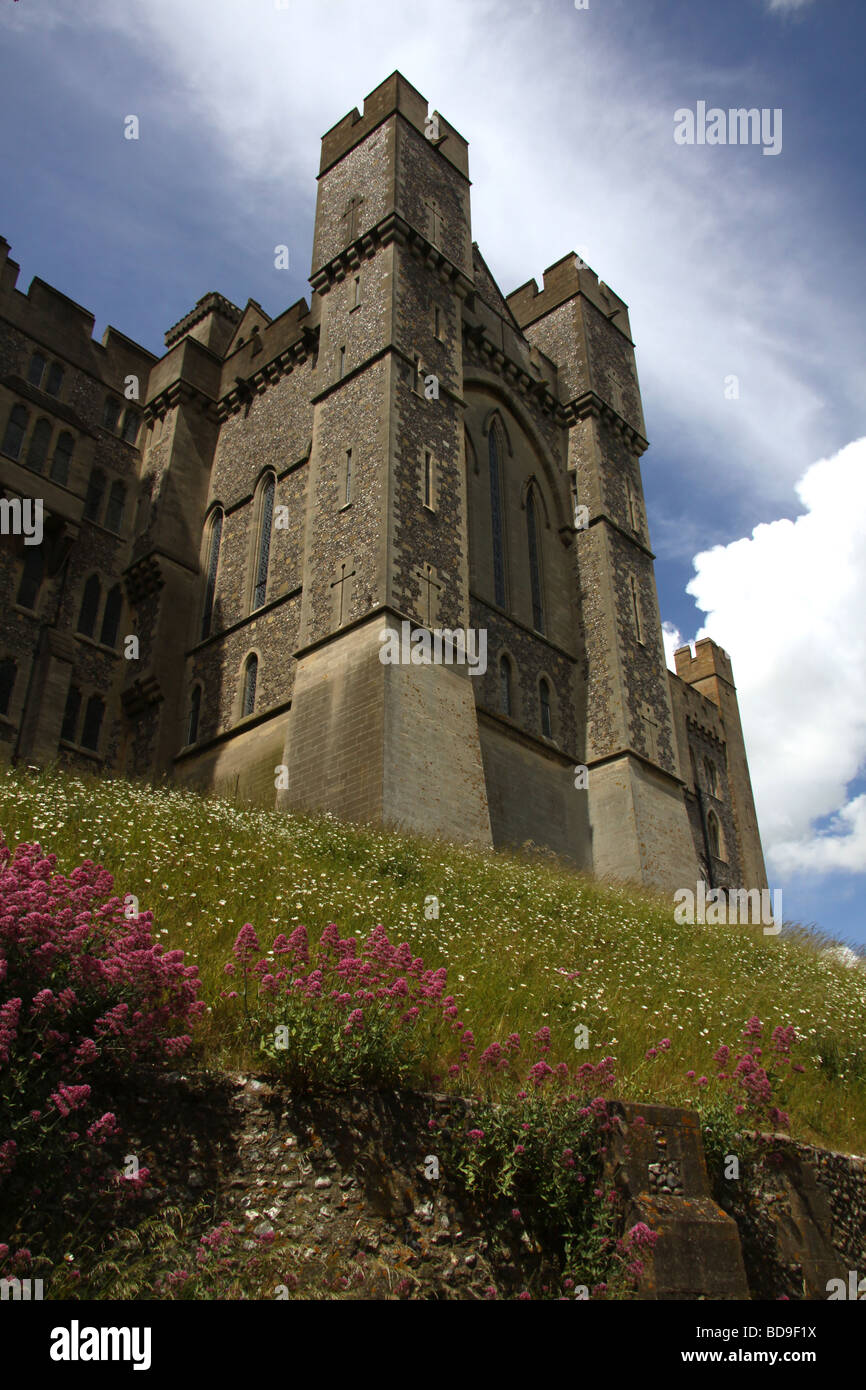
{"points": [[428, 479], [89, 606], [70, 715], [16, 429], [544, 705], [93, 717], [635, 604], [251, 676], [111, 616], [55, 379], [194, 713], [37, 450], [496, 518], [213, 559], [505, 685], [62, 460], [116, 504], [36, 370], [347, 497], [95, 494], [264, 546], [534, 564]]}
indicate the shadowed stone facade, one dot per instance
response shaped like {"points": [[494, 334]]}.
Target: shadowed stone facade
{"points": [[229, 528]]}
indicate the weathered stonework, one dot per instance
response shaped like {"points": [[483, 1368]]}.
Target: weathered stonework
{"points": [[410, 446]]}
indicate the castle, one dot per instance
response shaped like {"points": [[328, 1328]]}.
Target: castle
{"points": [[229, 529]]}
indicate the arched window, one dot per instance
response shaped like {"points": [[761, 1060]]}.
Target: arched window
{"points": [[711, 776], [16, 428], [111, 616], [213, 559], [32, 574], [89, 606], [38, 446], [62, 458], [116, 504], [194, 712], [95, 493], [494, 454], [505, 685], [534, 565], [714, 835], [8, 672], [55, 379], [110, 414], [544, 708], [263, 548], [70, 715], [131, 422], [36, 368], [251, 674], [93, 717]]}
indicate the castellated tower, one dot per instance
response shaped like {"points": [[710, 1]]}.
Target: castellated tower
{"points": [[392, 246], [411, 452], [639, 824]]}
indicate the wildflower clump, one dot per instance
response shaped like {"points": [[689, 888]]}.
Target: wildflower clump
{"points": [[86, 997], [338, 1013]]}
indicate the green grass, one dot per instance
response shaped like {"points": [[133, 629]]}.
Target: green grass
{"points": [[509, 931]]}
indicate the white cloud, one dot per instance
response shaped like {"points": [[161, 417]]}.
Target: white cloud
{"points": [[789, 4], [788, 604]]}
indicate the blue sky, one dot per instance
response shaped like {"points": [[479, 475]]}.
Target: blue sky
{"points": [[733, 263]]}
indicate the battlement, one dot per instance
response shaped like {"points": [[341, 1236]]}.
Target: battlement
{"points": [[213, 321], [49, 317], [708, 660], [563, 280], [394, 94]]}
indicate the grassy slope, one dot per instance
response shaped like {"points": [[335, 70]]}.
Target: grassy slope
{"points": [[509, 932]]}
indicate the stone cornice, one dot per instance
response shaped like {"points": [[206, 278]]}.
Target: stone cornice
{"points": [[591, 406], [179, 393], [392, 228], [492, 357], [247, 388]]}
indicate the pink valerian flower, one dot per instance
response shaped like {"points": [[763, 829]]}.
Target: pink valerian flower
{"points": [[542, 1039], [539, 1073], [754, 1028], [476, 1134], [8, 1150], [86, 1051], [104, 1128], [491, 1056], [246, 945], [355, 1021], [784, 1039], [69, 1098], [641, 1236]]}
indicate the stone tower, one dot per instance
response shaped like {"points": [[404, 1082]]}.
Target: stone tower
{"points": [[639, 825], [392, 245]]}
